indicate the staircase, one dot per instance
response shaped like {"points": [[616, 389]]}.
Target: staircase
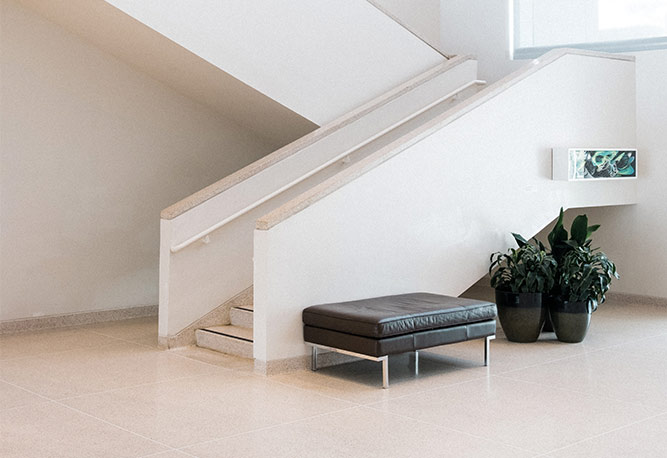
{"points": [[409, 192], [235, 338]]}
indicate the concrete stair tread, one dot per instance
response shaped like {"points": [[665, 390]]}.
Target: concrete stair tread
{"points": [[237, 332], [241, 317]]}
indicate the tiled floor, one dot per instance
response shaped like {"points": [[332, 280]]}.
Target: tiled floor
{"points": [[106, 391]]}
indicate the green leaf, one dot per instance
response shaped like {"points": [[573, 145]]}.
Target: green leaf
{"points": [[579, 229], [556, 234], [519, 239], [592, 229]]}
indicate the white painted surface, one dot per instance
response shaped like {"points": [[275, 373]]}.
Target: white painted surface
{"points": [[317, 57], [422, 17], [108, 28], [427, 219], [480, 28], [633, 237], [92, 150], [203, 276]]}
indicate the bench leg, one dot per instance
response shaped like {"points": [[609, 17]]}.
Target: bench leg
{"points": [[487, 349], [313, 359], [416, 362], [385, 371]]}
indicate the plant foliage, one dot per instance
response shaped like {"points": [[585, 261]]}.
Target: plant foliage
{"points": [[526, 269], [573, 270], [580, 236], [584, 275]]}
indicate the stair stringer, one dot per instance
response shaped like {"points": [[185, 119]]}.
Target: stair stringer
{"points": [[424, 213], [218, 316]]}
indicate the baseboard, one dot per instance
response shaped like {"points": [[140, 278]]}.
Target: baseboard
{"points": [[75, 319], [637, 299], [217, 316], [281, 366]]}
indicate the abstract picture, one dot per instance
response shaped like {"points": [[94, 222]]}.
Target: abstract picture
{"points": [[587, 164]]}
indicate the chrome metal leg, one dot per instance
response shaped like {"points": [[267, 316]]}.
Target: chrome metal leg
{"points": [[385, 371], [313, 360], [487, 349], [416, 363]]}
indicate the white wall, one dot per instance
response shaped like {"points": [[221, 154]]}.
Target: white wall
{"points": [[480, 28], [428, 218], [634, 237], [420, 16], [111, 30], [319, 58], [91, 151]]}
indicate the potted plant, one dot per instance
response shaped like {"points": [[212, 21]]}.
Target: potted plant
{"points": [[520, 277], [583, 277], [560, 245]]}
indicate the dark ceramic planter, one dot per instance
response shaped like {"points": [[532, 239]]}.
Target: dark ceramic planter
{"points": [[521, 315], [570, 319]]}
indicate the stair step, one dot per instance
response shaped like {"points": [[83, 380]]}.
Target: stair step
{"points": [[248, 307], [236, 332], [233, 340], [241, 317]]}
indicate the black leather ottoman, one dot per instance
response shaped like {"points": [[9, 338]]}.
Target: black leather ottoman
{"points": [[378, 327]]}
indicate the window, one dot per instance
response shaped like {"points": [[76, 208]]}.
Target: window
{"points": [[601, 25]]}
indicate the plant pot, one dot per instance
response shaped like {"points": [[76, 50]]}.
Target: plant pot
{"points": [[521, 315], [570, 319]]}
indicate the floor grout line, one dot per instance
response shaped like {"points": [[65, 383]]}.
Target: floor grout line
{"points": [[569, 390], [117, 426], [447, 428], [602, 434], [55, 402], [264, 428]]}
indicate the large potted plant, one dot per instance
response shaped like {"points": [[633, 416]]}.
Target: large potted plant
{"points": [[560, 245], [583, 277], [520, 277]]}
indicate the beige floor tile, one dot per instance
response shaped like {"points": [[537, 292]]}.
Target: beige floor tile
{"points": [[361, 381], [216, 358], [185, 412], [646, 440], [171, 454], [621, 376], [507, 356], [14, 346], [355, 433], [524, 415], [91, 370], [137, 330], [53, 431], [651, 347], [11, 396]]}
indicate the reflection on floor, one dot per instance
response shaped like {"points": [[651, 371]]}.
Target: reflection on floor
{"points": [[106, 390]]}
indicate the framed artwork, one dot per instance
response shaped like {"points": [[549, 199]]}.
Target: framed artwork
{"points": [[577, 164]]}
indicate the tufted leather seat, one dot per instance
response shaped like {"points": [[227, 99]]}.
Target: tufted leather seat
{"points": [[389, 316]]}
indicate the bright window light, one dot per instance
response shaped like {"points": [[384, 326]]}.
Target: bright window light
{"points": [[603, 25]]}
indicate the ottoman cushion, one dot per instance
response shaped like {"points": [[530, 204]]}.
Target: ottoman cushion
{"points": [[388, 316]]}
